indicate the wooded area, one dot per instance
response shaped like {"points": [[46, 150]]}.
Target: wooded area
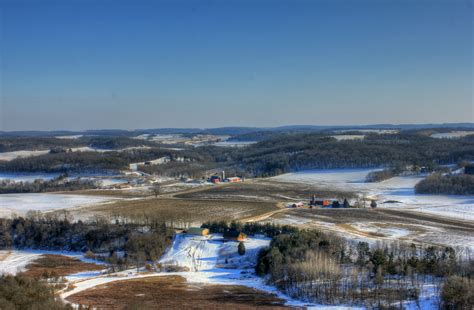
{"points": [[458, 184], [61, 183], [313, 266], [140, 241], [279, 154]]}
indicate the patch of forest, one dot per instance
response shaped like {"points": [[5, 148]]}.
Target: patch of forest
{"points": [[456, 184], [379, 176], [19, 143], [313, 266], [21, 292], [322, 268], [83, 161], [139, 241], [282, 153], [313, 151], [61, 183]]}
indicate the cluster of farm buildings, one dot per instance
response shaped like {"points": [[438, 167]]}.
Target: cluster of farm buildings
{"points": [[315, 202], [222, 178], [229, 235]]}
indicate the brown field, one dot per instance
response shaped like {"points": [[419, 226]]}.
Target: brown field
{"points": [[48, 266], [110, 193], [254, 199], [184, 210], [173, 292], [264, 190], [420, 228], [380, 215]]}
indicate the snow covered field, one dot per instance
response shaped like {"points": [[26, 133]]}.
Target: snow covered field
{"points": [[387, 232], [15, 261], [69, 137], [104, 180], [348, 137], [20, 154], [198, 253], [397, 192], [234, 143], [7, 156], [91, 149], [19, 204], [452, 134], [377, 131], [27, 177]]}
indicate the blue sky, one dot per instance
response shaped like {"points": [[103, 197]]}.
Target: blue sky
{"points": [[148, 64]]}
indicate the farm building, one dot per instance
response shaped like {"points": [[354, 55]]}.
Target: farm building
{"points": [[198, 231], [314, 202], [215, 179], [234, 235], [234, 180], [323, 203]]}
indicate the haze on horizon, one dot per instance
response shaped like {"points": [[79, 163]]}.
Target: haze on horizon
{"points": [[77, 65]]}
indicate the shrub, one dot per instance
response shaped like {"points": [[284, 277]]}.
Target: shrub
{"points": [[457, 293], [18, 292]]}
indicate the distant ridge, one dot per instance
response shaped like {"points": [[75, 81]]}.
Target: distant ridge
{"points": [[234, 130]]}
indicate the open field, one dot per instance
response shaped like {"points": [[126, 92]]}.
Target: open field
{"points": [[173, 292], [395, 193], [17, 261], [20, 204], [12, 262], [112, 193], [383, 224], [452, 134], [7, 156], [182, 210], [266, 190], [54, 265]]}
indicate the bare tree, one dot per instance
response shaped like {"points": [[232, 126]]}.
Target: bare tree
{"points": [[156, 189]]}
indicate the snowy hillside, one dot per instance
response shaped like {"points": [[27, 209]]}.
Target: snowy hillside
{"points": [[200, 253]]}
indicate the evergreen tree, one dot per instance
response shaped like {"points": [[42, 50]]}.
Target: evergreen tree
{"points": [[241, 248]]}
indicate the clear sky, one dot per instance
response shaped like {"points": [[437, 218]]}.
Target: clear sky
{"points": [[147, 64]]}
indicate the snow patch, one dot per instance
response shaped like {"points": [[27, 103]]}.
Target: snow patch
{"points": [[7, 156], [15, 261]]}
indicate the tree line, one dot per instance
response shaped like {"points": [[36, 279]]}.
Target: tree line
{"points": [[19, 143], [61, 183], [83, 161], [455, 184], [313, 266], [58, 232]]}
